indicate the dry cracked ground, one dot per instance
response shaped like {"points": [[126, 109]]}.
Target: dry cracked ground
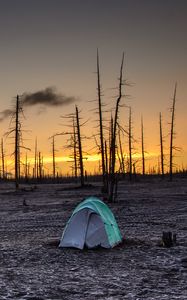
{"points": [[33, 267]]}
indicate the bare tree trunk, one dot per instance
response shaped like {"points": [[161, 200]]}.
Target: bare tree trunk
{"points": [[130, 144], [172, 134], [80, 148], [40, 165], [112, 183], [26, 167], [119, 160], [122, 163], [142, 142], [54, 163], [35, 173], [16, 130], [37, 166], [106, 165], [3, 159], [101, 124], [161, 147], [110, 144], [75, 148], [106, 158], [17, 140]]}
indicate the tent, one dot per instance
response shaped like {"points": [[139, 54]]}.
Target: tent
{"points": [[91, 224]]}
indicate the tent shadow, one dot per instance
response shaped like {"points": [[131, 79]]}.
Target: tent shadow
{"points": [[54, 243], [124, 244]]}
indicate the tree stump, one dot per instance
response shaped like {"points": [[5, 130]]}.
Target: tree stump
{"points": [[168, 239]]}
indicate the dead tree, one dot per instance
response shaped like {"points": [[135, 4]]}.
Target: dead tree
{"points": [[74, 143], [120, 153], [161, 146], [26, 167], [53, 152], [172, 134], [113, 141], [35, 161], [17, 142], [74, 148], [142, 143], [2, 159], [101, 124], [111, 127], [40, 165], [79, 141], [130, 144], [106, 164]]}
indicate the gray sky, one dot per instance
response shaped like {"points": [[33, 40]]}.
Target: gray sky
{"points": [[52, 43]]}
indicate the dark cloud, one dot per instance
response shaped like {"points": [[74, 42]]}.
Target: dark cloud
{"points": [[44, 98], [47, 97]]}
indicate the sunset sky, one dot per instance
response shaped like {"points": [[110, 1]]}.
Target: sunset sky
{"points": [[53, 43]]}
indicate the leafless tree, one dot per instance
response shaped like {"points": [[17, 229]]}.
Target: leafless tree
{"points": [[101, 124], [35, 175], [121, 156], [161, 145], [3, 159], [26, 167], [53, 152], [16, 130], [74, 139], [142, 143], [17, 141], [74, 142], [111, 129], [106, 164], [130, 143], [40, 165], [79, 141], [114, 134], [172, 147]]}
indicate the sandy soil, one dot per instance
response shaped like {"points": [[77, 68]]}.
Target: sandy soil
{"points": [[33, 267]]}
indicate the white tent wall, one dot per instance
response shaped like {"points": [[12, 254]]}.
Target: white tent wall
{"points": [[85, 228], [96, 233], [75, 231]]}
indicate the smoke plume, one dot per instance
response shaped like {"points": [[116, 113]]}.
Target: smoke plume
{"points": [[48, 97]]}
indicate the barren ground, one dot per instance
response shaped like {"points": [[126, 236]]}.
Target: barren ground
{"points": [[33, 267]]}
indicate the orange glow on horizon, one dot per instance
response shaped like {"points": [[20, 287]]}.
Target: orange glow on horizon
{"points": [[88, 158], [92, 163]]}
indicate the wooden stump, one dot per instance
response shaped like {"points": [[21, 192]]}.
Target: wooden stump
{"points": [[168, 239]]}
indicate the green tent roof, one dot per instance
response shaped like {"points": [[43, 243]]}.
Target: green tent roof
{"points": [[106, 215]]}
